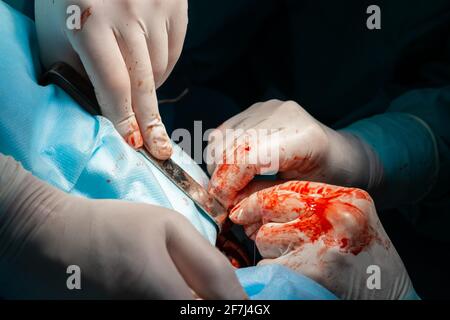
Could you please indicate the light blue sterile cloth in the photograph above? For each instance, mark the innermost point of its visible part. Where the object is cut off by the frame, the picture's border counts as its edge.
(56, 140)
(275, 282)
(44, 129)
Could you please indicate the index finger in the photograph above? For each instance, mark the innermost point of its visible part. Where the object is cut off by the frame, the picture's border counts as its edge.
(99, 51)
(284, 202)
(145, 102)
(240, 164)
(269, 205)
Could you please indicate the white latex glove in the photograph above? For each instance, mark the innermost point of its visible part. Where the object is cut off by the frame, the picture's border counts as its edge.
(305, 149)
(124, 250)
(330, 234)
(128, 49)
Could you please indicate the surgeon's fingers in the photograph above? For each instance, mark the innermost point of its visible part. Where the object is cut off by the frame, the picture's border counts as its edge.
(217, 150)
(144, 100)
(242, 121)
(222, 139)
(161, 279)
(294, 262)
(203, 267)
(239, 166)
(158, 49)
(176, 28)
(276, 239)
(103, 61)
(252, 229)
(228, 180)
(269, 205)
(330, 193)
(255, 186)
(256, 152)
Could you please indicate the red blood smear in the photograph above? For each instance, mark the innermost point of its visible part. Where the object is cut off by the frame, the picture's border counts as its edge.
(85, 16)
(224, 173)
(234, 262)
(232, 175)
(131, 140)
(314, 221)
(344, 243)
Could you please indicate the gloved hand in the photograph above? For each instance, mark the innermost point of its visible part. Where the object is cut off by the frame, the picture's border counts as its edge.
(327, 233)
(123, 250)
(128, 49)
(299, 147)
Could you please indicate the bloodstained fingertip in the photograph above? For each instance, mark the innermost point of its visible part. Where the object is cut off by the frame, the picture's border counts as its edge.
(161, 149)
(135, 139)
(236, 211)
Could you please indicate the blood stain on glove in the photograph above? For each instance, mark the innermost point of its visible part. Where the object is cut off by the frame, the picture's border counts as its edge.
(155, 134)
(233, 174)
(320, 214)
(85, 16)
(134, 137)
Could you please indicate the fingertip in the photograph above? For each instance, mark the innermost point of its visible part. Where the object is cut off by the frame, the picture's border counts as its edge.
(220, 195)
(265, 262)
(247, 212)
(129, 130)
(135, 140)
(236, 214)
(229, 179)
(225, 285)
(221, 186)
(211, 167)
(206, 270)
(161, 150)
(157, 141)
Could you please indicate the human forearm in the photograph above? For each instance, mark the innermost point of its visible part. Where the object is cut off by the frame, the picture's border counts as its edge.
(407, 151)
